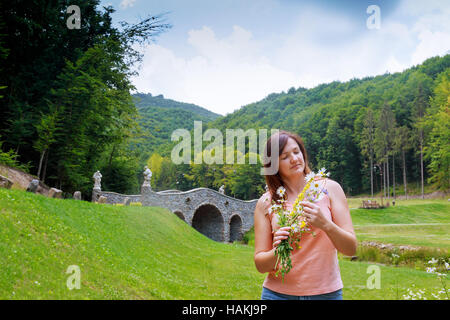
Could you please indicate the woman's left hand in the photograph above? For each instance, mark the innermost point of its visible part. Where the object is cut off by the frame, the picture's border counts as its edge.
(314, 215)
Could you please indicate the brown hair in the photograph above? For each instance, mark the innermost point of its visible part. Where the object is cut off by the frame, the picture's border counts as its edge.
(274, 181)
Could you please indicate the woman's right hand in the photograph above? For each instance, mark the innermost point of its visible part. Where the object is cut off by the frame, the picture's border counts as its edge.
(279, 235)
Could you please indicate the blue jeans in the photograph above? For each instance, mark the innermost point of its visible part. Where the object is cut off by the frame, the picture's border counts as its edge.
(268, 294)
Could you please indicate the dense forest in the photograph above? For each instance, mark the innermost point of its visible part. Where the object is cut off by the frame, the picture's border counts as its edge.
(66, 111)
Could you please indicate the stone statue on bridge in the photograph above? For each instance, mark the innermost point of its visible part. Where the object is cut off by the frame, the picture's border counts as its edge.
(222, 189)
(97, 180)
(147, 178)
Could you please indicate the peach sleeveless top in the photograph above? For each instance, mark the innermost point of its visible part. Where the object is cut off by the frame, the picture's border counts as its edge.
(315, 266)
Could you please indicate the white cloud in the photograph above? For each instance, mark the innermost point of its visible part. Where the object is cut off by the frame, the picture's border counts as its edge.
(127, 3)
(428, 28)
(431, 44)
(341, 49)
(420, 7)
(225, 73)
(431, 29)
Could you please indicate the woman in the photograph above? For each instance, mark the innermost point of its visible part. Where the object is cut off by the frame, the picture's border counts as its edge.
(315, 270)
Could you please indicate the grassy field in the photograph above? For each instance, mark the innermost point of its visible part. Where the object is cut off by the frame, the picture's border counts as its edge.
(411, 222)
(148, 253)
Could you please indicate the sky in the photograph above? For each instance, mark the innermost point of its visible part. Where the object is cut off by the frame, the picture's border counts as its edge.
(222, 55)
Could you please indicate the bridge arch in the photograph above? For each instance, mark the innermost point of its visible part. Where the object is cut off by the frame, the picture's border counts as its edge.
(235, 228)
(180, 215)
(208, 220)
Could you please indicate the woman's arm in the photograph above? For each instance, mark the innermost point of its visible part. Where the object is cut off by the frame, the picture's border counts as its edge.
(340, 229)
(265, 258)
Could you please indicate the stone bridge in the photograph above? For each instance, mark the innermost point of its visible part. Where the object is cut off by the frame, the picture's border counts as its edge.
(216, 215)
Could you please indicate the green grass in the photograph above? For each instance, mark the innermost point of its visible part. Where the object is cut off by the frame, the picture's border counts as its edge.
(412, 211)
(141, 253)
(123, 253)
(416, 235)
(394, 282)
(412, 222)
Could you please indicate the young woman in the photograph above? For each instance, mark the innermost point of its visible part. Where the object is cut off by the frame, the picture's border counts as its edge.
(315, 270)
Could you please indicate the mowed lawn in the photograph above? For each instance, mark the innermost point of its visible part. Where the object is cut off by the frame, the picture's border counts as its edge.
(143, 253)
(412, 222)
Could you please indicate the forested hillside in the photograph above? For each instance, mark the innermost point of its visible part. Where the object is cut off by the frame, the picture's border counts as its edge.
(145, 100)
(388, 123)
(159, 117)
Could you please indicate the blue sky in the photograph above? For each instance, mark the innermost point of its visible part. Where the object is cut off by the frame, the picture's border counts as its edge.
(225, 54)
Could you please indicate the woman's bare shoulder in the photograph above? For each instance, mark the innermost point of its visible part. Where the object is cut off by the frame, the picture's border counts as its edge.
(333, 185)
(334, 190)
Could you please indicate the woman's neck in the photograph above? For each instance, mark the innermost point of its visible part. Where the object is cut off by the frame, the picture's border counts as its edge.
(294, 185)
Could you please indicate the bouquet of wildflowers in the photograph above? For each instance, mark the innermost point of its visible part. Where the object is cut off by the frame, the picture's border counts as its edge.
(295, 219)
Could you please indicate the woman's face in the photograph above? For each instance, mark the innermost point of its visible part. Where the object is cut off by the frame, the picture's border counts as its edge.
(291, 160)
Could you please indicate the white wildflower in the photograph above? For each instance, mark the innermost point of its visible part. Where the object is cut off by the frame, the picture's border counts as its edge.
(310, 176)
(274, 207)
(433, 261)
(281, 191)
(431, 269)
(295, 228)
(315, 186)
